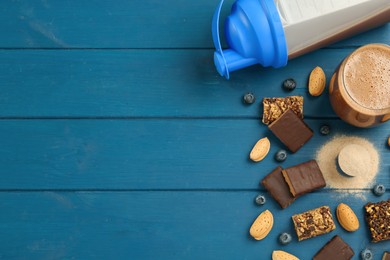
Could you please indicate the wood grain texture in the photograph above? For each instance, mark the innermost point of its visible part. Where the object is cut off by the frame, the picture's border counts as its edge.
(164, 225)
(120, 24)
(147, 83)
(151, 154)
(119, 140)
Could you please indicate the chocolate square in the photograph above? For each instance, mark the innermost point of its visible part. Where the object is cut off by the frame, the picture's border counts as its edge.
(313, 223)
(386, 256)
(378, 220)
(291, 130)
(278, 188)
(335, 249)
(304, 178)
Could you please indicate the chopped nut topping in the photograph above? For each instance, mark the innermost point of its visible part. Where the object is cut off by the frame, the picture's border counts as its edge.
(378, 220)
(313, 223)
(275, 107)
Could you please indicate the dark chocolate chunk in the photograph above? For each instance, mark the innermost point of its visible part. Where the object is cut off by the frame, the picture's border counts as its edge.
(291, 130)
(304, 178)
(378, 220)
(313, 223)
(386, 256)
(278, 188)
(335, 249)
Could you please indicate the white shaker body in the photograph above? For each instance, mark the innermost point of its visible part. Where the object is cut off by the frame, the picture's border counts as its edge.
(312, 24)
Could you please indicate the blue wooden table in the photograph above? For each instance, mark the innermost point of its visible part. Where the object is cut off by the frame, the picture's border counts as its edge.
(119, 140)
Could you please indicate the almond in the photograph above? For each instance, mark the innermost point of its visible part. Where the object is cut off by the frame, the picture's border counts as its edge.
(281, 255)
(347, 218)
(317, 81)
(260, 150)
(262, 225)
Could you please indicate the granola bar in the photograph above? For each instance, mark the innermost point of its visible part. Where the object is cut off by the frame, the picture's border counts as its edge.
(378, 220)
(273, 108)
(313, 223)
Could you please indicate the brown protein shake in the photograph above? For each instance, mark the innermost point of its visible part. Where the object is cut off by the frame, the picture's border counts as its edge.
(360, 87)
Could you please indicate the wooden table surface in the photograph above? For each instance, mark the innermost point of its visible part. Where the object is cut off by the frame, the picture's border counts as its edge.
(119, 140)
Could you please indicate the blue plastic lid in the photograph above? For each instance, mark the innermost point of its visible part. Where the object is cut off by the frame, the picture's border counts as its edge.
(254, 33)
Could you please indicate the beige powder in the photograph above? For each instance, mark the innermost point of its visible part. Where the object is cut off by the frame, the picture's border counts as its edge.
(327, 161)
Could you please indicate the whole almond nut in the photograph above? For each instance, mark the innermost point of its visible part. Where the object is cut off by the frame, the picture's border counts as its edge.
(281, 255)
(317, 81)
(262, 225)
(347, 218)
(260, 150)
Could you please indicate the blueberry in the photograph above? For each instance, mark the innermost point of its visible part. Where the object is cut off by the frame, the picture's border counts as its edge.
(260, 200)
(366, 254)
(281, 155)
(285, 238)
(325, 130)
(249, 98)
(289, 84)
(379, 189)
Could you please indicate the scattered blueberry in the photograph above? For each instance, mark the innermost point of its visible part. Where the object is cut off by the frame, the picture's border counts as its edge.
(281, 155)
(249, 98)
(379, 189)
(260, 200)
(325, 130)
(289, 84)
(366, 254)
(285, 238)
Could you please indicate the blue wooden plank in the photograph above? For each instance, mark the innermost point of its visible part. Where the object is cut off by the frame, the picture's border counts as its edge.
(119, 24)
(167, 225)
(153, 150)
(147, 83)
(151, 154)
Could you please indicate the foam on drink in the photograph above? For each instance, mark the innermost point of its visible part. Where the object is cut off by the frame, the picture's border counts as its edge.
(367, 77)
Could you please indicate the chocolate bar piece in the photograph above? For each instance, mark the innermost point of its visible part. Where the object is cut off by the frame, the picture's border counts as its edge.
(291, 130)
(335, 249)
(378, 220)
(304, 178)
(313, 223)
(386, 256)
(273, 108)
(278, 188)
